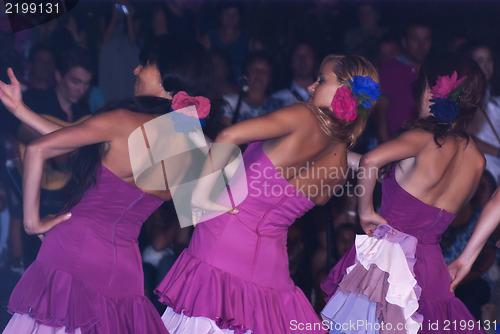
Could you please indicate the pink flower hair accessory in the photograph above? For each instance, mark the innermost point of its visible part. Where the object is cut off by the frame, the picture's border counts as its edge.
(344, 104)
(446, 85)
(182, 100)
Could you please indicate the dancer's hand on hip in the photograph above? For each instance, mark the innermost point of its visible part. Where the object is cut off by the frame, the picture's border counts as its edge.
(370, 222)
(458, 269)
(199, 208)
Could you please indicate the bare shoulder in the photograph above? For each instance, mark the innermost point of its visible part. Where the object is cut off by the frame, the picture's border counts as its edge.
(115, 116)
(122, 120)
(277, 124)
(419, 135)
(299, 114)
(124, 115)
(419, 139)
(295, 116)
(297, 109)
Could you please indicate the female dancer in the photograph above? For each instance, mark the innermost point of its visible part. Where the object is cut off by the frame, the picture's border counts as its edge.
(234, 276)
(88, 275)
(435, 169)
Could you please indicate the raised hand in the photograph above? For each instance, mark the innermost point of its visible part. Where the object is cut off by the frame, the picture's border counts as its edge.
(11, 95)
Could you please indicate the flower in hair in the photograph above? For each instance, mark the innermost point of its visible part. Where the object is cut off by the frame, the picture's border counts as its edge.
(344, 104)
(444, 110)
(182, 100)
(446, 96)
(189, 111)
(365, 90)
(355, 97)
(445, 85)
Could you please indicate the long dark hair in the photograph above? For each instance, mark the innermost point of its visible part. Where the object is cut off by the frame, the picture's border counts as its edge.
(183, 66)
(471, 96)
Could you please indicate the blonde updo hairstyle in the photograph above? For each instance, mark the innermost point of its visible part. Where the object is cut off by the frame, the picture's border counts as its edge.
(345, 68)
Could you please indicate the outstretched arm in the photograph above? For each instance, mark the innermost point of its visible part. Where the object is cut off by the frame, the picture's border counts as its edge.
(101, 128)
(488, 221)
(12, 98)
(487, 148)
(407, 145)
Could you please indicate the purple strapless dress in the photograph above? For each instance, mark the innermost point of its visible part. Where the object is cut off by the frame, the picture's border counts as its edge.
(415, 228)
(234, 277)
(88, 276)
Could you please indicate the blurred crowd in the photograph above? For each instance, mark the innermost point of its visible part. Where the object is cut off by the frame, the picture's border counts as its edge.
(264, 56)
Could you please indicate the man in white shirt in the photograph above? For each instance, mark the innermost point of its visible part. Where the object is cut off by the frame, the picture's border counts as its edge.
(303, 66)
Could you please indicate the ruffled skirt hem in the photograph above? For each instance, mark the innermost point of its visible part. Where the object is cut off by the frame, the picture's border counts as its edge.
(56, 299)
(193, 288)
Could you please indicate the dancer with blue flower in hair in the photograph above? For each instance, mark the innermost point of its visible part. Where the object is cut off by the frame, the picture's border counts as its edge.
(394, 279)
(234, 277)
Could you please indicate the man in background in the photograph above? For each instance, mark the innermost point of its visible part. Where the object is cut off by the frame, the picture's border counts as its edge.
(396, 105)
(303, 66)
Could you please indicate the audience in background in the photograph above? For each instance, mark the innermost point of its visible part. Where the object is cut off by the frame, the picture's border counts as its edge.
(120, 30)
(303, 70)
(295, 37)
(396, 105)
(485, 126)
(364, 40)
(229, 37)
(388, 50)
(41, 67)
(256, 100)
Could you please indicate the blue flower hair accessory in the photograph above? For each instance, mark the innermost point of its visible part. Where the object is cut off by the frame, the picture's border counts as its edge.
(444, 110)
(366, 91)
(446, 97)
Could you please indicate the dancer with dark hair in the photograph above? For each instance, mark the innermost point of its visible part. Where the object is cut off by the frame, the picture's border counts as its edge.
(398, 276)
(88, 275)
(234, 277)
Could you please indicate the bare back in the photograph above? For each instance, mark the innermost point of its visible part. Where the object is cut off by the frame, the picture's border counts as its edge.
(445, 177)
(310, 160)
(117, 157)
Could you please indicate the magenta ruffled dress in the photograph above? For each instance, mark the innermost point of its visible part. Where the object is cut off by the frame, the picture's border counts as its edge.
(397, 281)
(234, 277)
(88, 276)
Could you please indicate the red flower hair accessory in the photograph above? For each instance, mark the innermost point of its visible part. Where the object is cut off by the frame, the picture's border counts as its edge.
(344, 104)
(182, 100)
